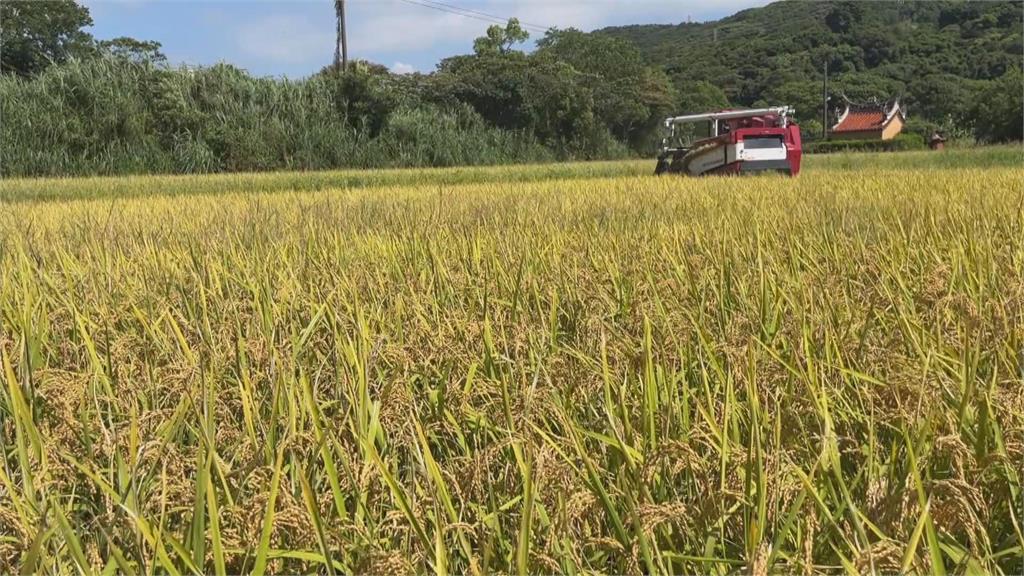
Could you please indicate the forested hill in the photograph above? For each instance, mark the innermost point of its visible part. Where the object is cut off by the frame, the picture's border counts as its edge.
(950, 61)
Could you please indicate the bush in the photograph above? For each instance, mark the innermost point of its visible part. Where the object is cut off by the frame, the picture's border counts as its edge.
(999, 109)
(430, 136)
(900, 143)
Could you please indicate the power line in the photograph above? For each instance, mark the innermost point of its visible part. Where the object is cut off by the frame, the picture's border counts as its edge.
(470, 10)
(476, 15)
(459, 13)
(465, 12)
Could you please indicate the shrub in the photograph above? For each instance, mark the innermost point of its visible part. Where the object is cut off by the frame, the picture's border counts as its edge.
(900, 143)
(430, 136)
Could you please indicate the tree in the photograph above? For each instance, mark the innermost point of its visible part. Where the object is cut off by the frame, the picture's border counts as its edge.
(700, 96)
(630, 98)
(865, 86)
(878, 44)
(659, 96)
(498, 40)
(494, 87)
(805, 97)
(560, 108)
(843, 16)
(534, 93)
(364, 94)
(999, 109)
(942, 97)
(34, 34)
(133, 50)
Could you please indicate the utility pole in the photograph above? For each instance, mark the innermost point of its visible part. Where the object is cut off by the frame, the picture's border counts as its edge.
(341, 48)
(824, 104)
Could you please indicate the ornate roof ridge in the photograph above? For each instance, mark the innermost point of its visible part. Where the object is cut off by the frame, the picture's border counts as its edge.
(884, 109)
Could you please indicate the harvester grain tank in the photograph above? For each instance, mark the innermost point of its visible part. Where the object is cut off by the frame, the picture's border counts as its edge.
(731, 142)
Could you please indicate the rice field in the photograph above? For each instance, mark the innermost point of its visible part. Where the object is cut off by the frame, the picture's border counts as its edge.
(539, 369)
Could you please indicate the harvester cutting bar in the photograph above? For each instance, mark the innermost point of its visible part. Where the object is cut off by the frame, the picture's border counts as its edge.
(781, 111)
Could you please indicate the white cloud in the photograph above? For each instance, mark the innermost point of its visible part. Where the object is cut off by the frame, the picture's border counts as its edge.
(285, 39)
(402, 68)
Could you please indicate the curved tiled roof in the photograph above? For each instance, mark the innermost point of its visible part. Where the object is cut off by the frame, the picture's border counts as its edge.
(864, 118)
(860, 121)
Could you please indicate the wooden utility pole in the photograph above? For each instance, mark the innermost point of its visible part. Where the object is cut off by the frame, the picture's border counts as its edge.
(341, 47)
(824, 104)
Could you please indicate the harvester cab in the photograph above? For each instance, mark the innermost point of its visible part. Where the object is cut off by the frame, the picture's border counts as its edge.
(731, 142)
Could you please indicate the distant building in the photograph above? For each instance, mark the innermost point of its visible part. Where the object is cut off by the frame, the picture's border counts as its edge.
(873, 121)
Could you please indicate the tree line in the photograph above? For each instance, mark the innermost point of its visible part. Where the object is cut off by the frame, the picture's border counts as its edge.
(72, 104)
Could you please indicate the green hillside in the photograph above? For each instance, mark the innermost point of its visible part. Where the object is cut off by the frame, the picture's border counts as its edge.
(955, 64)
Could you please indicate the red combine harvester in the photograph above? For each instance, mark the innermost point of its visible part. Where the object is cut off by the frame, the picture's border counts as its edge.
(731, 142)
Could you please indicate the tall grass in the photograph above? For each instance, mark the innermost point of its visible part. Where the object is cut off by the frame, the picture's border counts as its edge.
(612, 374)
(107, 116)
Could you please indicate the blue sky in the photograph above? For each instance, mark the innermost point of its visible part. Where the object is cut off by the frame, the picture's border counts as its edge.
(296, 38)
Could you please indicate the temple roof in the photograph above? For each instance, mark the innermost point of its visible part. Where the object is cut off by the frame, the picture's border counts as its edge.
(867, 117)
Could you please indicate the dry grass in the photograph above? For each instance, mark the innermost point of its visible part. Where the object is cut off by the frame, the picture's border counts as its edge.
(614, 374)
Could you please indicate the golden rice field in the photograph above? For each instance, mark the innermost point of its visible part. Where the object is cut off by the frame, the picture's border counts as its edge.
(569, 369)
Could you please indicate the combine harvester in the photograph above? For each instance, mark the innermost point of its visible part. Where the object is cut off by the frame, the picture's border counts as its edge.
(735, 142)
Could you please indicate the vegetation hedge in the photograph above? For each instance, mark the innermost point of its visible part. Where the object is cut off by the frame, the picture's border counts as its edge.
(899, 143)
